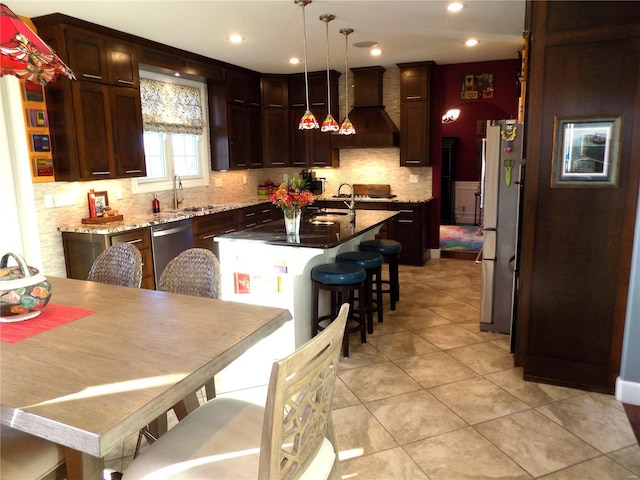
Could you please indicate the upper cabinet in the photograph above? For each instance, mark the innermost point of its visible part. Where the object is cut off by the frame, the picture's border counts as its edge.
(415, 107)
(95, 121)
(236, 121)
(96, 58)
(275, 120)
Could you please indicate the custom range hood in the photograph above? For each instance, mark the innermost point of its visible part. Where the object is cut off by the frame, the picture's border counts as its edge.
(374, 127)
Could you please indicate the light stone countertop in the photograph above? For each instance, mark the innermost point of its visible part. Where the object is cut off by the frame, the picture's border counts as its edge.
(142, 220)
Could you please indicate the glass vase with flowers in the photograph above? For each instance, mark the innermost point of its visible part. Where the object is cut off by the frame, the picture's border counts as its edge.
(291, 197)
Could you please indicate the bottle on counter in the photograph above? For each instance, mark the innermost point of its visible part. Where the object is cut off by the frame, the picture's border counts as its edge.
(155, 204)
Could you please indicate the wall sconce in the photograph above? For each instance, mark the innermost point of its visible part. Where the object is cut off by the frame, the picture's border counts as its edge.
(451, 116)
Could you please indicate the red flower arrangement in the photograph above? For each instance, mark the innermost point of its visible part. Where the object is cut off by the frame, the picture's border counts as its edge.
(292, 195)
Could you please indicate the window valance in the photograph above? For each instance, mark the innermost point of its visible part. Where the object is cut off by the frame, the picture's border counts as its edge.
(171, 108)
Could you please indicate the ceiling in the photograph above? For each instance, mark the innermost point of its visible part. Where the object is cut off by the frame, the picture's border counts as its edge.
(406, 31)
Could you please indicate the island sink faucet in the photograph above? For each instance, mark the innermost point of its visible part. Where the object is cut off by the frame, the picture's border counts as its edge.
(352, 205)
(177, 185)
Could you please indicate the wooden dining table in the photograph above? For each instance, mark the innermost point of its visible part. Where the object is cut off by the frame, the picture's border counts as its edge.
(90, 383)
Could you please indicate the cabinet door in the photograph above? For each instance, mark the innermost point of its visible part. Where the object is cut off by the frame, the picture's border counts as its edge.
(298, 139)
(128, 145)
(414, 85)
(414, 136)
(253, 140)
(275, 125)
(237, 137)
(122, 60)
(275, 92)
(87, 56)
(93, 130)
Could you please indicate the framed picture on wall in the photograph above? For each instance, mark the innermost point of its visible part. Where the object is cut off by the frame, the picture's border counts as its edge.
(586, 151)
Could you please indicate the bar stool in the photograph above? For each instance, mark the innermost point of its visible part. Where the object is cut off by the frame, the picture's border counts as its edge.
(372, 263)
(389, 249)
(342, 280)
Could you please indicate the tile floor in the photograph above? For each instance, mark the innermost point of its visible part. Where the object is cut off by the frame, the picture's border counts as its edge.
(432, 397)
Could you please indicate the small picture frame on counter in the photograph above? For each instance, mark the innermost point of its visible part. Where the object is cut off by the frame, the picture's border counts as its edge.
(99, 200)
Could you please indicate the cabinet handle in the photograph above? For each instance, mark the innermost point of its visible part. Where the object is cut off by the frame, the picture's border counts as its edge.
(249, 225)
(133, 171)
(298, 105)
(137, 240)
(268, 220)
(276, 105)
(230, 230)
(94, 77)
(413, 161)
(126, 82)
(413, 97)
(266, 210)
(100, 173)
(405, 211)
(317, 104)
(207, 237)
(405, 221)
(251, 214)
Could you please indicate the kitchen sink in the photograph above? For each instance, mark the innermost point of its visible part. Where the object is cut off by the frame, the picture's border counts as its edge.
(324, 213)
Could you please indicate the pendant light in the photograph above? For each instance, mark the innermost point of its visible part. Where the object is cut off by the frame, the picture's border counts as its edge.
(347, 127)
(308, 121)
(329, 124)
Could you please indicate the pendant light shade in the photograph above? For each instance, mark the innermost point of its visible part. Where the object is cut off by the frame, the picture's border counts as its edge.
(347, 127)
(329, 124)
(24, 54)
(308, 120)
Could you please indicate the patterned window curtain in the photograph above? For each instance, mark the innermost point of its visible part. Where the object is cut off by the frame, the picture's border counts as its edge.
(171, 108)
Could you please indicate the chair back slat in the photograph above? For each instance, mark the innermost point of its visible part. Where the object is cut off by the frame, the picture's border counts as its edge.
(299, 402)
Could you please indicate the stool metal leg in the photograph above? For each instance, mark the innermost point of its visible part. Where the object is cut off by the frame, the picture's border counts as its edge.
(394, 283)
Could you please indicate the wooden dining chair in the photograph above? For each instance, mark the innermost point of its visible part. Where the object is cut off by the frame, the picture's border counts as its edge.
(290, 438)
(120, 264)
(24, 456)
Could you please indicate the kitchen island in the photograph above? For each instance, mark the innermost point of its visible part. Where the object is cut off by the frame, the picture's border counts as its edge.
(262, 266)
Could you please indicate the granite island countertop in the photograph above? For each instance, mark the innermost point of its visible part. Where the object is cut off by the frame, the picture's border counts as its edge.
(326, 230)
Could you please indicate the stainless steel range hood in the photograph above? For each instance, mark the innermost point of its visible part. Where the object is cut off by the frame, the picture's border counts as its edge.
(374, 127)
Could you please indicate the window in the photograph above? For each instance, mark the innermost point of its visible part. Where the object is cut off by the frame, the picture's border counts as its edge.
(176, 138)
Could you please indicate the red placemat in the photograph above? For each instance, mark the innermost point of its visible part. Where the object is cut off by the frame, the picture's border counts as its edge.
(52, 316)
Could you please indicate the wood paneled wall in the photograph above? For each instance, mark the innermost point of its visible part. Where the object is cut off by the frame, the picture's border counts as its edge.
(576, 245)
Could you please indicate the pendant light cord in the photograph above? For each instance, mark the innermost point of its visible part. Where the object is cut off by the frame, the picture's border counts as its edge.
(306, 74)
(328, 86)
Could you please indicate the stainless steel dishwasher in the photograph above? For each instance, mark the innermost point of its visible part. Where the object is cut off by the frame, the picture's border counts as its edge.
(169, 240)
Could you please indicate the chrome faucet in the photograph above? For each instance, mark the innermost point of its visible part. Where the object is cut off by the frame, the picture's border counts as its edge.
(352, 204)
(177, 185)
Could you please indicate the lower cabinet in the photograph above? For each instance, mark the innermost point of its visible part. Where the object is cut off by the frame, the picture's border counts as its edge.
(82, 249)
(207, 227)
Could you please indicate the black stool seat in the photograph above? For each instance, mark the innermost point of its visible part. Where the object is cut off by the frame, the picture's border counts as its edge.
(390, 250)
(372, 262)
(342, 280)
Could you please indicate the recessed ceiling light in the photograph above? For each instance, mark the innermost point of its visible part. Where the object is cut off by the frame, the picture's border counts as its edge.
(294, 61)
(472, 42)
(236, 38)
(455, 7)
(376, 52)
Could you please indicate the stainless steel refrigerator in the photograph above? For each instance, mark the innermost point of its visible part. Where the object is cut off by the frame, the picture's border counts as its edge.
(501, 192)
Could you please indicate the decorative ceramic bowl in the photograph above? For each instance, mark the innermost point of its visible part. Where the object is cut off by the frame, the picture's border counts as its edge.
(24, 292)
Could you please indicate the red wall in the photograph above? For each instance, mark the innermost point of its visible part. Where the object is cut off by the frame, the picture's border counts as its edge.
(503, 105)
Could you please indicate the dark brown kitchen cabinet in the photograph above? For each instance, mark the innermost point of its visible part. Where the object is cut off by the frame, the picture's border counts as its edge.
(207, 227)
(96, 58)
(95, 121)
(82, 249)
(415, 107)
(410, 228)
(275, 120)
(254, 215)
(235, 121)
